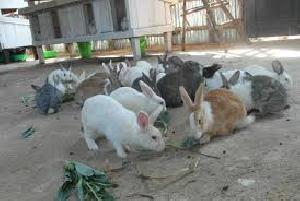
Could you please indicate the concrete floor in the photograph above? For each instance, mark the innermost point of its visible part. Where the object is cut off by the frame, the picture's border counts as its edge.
(267, 154)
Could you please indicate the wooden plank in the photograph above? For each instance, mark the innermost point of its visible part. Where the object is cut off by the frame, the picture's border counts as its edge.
(46, 26)
(103, 17)
(183, 37)
(46, 5)
(214, 33)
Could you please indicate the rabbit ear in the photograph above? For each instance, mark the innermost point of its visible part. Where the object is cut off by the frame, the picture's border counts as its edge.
(186, 99)
(248, 76)
(147, 91)
(277, 67)
(225, 81)
(153, 73)
(234, 78)
(199, 96)
(143, 120)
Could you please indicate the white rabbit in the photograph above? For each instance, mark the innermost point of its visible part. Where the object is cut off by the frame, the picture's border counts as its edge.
(102, 115)
(278, 73)
(136, 101)
(129, 74)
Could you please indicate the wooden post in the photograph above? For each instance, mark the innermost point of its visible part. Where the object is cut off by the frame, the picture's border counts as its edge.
(40, 54)
(183, 37)
(136, 48)
(168, 41)
(216, 37)
(6, 56)
(241, 25)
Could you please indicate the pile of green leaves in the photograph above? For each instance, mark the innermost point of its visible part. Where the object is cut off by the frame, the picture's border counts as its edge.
(90, 184)
(162, 121)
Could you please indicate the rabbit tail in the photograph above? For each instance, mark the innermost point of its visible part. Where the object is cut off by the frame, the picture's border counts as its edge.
(246, 121)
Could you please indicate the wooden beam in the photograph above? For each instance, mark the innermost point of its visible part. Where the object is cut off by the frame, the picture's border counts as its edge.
(183, 38)
(214, 33)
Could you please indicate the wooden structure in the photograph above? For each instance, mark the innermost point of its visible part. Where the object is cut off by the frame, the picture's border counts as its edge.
(211, 25)
(68, 21)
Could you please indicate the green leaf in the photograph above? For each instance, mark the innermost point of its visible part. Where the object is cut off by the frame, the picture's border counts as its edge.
(28, 132)
(64, 191)
(79, 190)
(83, 169)
(189, 142)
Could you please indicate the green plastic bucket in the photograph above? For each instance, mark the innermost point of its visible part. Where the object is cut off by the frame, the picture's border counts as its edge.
(17, 57)
(85, 49)
(143, 45)
(50, 54)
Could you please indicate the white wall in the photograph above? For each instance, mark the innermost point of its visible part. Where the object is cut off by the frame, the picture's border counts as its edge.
(13, 4)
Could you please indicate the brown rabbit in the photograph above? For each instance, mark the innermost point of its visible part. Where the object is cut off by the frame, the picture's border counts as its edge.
(216, 114)
(95, 84)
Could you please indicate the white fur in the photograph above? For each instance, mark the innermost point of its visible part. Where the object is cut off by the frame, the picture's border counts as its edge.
(216, 81)
(208, 120)
(137, 101)
(243, 91)
(284, 78)
(159, 76)
(246, 121)
(128, 75)
(102, 115)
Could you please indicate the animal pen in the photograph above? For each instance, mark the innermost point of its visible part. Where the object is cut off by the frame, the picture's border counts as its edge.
(102, 20)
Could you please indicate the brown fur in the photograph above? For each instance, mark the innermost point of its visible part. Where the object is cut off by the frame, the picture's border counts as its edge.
(92, 86)
(227, 110)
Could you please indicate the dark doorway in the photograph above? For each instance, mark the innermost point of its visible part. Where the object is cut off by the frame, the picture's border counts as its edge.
(265, 18)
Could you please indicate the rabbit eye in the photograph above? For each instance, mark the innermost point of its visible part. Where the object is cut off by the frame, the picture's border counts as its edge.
(154, 137)
(161, 102)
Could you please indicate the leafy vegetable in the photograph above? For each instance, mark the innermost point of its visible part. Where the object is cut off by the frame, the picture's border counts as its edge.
(162, 121)
(189, 142)
(28, 132)
(90, 184)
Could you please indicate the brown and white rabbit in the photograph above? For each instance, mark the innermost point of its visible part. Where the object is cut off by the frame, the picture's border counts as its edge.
(218, 113)
(95, 84)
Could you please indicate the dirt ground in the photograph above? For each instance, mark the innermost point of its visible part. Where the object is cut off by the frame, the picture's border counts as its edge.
(267, 154)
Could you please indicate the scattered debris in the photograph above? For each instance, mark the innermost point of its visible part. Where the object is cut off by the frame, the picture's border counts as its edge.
(280, 143)
(246, 182)
(188, 143)
(225, 188)
(90, 184)
(71, 153)
(288, 120)
(224, 152)
(141, 195)
(26, 100)
(28, 132)
(287, 107)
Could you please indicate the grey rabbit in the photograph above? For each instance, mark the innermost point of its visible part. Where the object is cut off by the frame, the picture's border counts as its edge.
(259, 93)
(48, 97)
(151, 82)
(187, 76)
(171, 64)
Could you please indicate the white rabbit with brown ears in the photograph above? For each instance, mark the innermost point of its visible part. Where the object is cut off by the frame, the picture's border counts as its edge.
(218, 113)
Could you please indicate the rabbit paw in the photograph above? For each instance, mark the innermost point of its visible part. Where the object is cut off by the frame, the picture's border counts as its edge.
(205, 139)
(91, 144)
